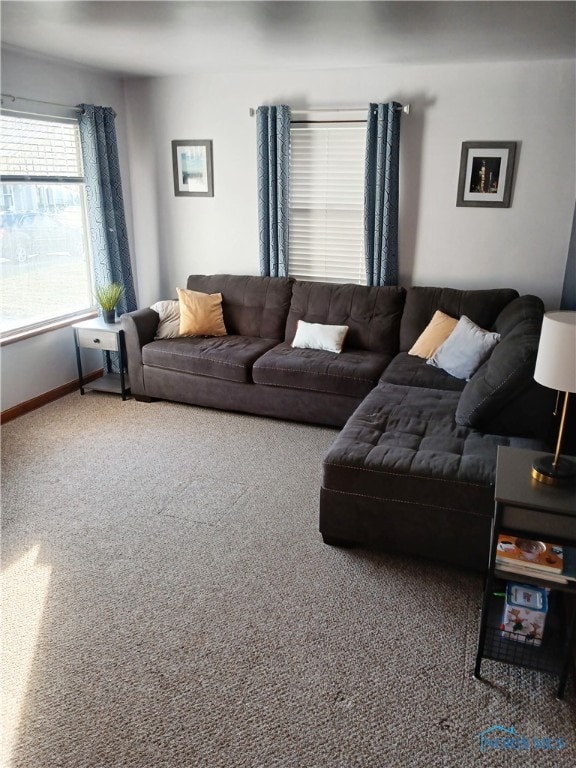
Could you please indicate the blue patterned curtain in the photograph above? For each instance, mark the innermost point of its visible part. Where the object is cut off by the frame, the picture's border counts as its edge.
(273, 137)
(109, 238)
(381, 193)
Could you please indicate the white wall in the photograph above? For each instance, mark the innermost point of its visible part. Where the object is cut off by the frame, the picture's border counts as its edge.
(42, 363)
(524, 246)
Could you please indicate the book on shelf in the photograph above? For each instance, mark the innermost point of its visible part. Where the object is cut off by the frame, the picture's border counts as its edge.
(529, 554)
(520, 568)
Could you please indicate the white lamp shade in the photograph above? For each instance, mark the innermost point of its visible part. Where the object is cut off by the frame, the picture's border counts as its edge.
(556, 361)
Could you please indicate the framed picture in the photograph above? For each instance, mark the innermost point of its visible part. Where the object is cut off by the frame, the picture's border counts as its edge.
(486, 171)
(192, 165)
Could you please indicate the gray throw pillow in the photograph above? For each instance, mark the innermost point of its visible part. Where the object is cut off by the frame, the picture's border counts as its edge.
(465, 349)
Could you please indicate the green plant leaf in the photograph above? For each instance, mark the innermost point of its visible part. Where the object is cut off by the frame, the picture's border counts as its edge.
(108, 295)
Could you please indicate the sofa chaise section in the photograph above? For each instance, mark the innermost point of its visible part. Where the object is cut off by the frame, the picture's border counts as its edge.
(403, 476)
(414, 468)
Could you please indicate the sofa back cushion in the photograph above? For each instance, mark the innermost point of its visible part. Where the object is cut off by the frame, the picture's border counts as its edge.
(481, 306)
(508, 373)
(252, 305)
(372, 313)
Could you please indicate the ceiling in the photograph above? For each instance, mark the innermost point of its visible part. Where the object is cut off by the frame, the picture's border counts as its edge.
(165, 37)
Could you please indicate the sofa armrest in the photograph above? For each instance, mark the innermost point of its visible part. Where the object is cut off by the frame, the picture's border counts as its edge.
(139, 329)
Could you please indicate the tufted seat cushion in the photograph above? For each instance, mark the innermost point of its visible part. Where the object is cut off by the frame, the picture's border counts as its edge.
(413, 371)
(350, 372)
(221, 357)
(409, 435)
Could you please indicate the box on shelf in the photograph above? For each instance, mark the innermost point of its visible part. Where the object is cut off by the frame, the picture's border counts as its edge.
(525, 609)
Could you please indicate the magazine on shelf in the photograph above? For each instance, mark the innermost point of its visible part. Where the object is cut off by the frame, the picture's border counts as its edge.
(517, 570)
(530, 554)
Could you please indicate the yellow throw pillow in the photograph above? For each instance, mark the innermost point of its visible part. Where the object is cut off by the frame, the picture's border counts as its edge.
(435, 334)
(200, 313)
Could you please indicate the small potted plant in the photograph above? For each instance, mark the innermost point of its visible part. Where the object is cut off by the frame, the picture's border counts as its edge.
(108, 296)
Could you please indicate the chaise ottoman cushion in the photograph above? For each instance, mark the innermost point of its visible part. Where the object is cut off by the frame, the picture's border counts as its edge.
(221, 357)
(403, 443)
(350, 372)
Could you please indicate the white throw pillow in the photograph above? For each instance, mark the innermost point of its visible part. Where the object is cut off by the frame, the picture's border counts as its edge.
(464, 351)
(169, 325)
(318, 336)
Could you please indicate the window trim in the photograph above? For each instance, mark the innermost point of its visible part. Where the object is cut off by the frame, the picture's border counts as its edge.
(28, 331)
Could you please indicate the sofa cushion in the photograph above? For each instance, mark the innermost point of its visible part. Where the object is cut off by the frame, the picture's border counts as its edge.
(481, 306)
(351, 372)
(510, 369)
(413, 371)
(372, 313)
(252, 305)
(402, 443)
(221, 357)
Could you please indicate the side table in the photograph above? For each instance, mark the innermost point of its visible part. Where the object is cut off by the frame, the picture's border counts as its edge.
(109, 337)
(529, 509)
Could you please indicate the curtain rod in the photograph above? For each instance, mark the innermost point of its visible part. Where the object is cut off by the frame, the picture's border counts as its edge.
(39, 101)
(405, 109)
(73, 108)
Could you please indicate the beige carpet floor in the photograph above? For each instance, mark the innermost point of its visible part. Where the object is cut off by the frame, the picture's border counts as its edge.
(169, 603)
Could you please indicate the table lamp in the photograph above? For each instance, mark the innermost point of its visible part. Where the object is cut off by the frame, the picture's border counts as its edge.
(556, 369)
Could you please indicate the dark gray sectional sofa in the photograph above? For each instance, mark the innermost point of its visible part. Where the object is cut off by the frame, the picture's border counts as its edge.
(413, 468)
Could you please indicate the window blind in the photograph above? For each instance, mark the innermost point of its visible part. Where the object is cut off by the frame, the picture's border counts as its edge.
(327, 202)
(33, 149)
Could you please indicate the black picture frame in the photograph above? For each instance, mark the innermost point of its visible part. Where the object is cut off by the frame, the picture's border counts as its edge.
(486, 174)
(193, 168)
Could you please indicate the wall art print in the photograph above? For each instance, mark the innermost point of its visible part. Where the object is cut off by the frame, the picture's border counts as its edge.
(486, 173)
(192, 166)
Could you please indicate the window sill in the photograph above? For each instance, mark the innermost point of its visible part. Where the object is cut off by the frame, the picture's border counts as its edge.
(52, 325)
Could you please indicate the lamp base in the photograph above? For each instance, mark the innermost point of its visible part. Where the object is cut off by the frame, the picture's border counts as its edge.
(545, 471)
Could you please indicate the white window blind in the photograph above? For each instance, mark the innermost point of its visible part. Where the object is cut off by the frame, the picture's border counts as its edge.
(327, 202)
(31, 148)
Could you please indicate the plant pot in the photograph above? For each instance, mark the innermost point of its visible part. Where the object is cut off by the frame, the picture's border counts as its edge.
(109, 315)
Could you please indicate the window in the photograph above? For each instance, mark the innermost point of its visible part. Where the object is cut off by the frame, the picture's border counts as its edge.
(44, 255)
(327, 202)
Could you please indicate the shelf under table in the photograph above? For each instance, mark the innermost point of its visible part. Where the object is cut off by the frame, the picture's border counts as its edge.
(110, 382)
(547, 657)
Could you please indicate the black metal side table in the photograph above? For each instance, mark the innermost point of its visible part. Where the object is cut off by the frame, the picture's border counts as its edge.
(525, 507)
(109, 337)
